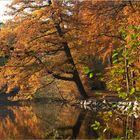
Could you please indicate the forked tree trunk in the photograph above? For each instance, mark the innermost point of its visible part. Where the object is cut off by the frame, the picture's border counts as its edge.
(76, 77)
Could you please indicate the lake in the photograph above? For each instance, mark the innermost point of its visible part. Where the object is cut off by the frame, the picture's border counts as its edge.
(62, 121)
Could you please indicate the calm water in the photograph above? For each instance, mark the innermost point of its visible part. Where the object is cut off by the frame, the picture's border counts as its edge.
(42, 120)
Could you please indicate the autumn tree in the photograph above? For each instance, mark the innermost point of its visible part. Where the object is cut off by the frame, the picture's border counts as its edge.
(104, 20)
(43, 33)
(58, 38)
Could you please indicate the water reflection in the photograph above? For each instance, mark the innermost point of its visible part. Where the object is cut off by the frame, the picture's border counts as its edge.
(41, 120)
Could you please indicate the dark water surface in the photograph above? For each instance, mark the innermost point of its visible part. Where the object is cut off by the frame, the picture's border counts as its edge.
(57, 121)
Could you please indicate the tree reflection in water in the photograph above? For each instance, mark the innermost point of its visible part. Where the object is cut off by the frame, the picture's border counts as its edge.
(18, 122)
(64, 121)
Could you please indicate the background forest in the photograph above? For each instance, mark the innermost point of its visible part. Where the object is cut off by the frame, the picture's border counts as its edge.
(70, 48)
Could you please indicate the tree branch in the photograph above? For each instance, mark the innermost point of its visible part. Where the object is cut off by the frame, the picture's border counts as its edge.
(109, 35)
(52, 52)
(62, 77)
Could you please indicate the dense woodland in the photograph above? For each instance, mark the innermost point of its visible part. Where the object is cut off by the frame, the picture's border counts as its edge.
(71, 48)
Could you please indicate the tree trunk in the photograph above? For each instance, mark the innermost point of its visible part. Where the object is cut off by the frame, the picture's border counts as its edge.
(76, 76)
(133, 79)
(127, 73)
